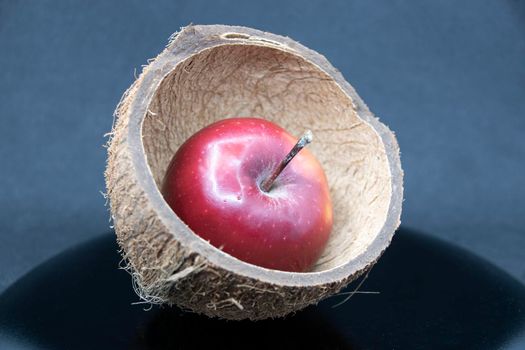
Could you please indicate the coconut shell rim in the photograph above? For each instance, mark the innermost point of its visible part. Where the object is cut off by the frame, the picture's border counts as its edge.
(194, 39)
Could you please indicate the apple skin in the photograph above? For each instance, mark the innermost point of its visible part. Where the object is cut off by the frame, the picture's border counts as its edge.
(212, 184)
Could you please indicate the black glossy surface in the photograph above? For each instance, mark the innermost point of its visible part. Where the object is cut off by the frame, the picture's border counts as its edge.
(432, 295)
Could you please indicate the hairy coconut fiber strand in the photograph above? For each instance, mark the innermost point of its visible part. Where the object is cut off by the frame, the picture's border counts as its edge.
(214, 72)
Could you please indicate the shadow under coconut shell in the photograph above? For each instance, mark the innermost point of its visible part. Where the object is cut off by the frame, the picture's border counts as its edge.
(432, 294)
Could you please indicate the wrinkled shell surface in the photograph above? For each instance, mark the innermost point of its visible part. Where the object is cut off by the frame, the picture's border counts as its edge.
(209, 73)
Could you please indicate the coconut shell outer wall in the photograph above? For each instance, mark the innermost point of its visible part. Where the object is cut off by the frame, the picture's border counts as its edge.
(173, 270)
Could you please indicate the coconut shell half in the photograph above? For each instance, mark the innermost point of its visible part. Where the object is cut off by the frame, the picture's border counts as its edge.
(212, 72)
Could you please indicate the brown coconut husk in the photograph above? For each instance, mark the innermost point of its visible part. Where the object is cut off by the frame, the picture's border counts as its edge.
(213, 72)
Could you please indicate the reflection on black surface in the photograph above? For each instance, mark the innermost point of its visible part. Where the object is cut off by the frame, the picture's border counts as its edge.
(432, 294)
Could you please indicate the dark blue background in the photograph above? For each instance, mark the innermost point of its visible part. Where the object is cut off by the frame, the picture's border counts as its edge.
(447, 76)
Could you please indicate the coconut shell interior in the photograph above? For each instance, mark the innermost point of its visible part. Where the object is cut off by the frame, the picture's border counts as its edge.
(252, 80)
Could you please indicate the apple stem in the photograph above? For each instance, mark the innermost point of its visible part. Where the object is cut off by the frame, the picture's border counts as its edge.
(267, 184)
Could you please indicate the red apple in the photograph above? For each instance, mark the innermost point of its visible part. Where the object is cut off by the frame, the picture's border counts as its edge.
(214, 184)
